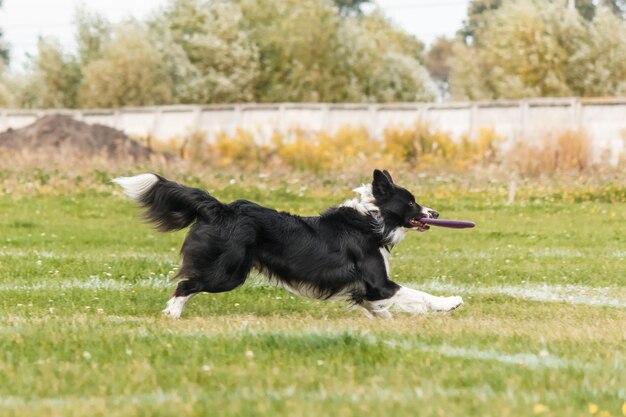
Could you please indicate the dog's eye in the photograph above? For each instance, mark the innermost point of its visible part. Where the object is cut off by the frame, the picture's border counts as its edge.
(411, 204)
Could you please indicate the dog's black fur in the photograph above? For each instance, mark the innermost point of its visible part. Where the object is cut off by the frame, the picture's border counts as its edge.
(336, 254)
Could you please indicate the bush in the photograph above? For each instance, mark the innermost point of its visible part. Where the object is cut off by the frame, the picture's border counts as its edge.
(425, 146)
(319, 151)
(351, 147)
(567, 151)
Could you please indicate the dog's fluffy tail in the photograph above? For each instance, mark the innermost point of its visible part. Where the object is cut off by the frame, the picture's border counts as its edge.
(169, 206)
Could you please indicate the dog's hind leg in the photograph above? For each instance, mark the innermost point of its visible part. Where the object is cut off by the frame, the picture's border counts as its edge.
(183, 293)
(223, 273)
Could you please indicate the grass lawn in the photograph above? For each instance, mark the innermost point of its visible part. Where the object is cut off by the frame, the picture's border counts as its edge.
(542, 330)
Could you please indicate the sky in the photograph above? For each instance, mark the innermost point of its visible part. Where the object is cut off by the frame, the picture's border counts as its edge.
(23, 21)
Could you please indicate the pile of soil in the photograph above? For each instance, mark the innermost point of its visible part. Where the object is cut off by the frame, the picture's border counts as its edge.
(57, 132)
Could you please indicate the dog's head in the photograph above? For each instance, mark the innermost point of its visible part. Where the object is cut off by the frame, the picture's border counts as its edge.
(397, 205)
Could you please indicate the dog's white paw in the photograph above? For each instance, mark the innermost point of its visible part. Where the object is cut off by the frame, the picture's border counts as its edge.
(446, 304)
(169, 313)
(174, 306)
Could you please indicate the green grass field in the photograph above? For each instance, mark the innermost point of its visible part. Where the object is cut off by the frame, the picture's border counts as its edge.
(542, 330)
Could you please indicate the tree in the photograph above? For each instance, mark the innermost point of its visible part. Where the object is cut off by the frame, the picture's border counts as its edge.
(380, 63)
(478, 11)
(210, 55)
(7, 94)
(588, 8)
(598, 67)
(297, 44)
(468, 69)
(531, 48)
(53, 79)
(218, 51)
(4, 48)
(437, 62)
(93, 31)
(129, 72)
(350, 7)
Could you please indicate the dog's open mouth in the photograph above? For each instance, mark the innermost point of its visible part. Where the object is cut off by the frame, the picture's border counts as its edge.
(418, 225)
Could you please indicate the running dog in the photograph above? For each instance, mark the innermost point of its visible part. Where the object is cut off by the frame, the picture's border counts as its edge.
(341, 254)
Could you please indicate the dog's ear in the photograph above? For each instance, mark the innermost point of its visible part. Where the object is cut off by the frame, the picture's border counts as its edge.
(388, 175)
(381, 185)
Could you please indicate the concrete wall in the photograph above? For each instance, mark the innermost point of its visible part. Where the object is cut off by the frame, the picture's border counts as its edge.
(603, 119)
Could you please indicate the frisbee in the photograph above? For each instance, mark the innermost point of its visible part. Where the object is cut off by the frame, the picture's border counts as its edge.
(454, 224)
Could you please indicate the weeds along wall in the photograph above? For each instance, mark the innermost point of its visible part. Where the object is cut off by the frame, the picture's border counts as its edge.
(525, 121)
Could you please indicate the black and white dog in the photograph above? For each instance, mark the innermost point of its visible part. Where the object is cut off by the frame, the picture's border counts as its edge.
(341, 254)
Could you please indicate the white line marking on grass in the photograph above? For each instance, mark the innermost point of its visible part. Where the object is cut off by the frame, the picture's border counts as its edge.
(20, 253)
(292, 392)
(555, 253)
(535, 253)
(157, 397)
(92, 283)
(571, 294)
(530, 360)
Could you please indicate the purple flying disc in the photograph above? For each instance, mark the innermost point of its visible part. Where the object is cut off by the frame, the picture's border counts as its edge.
(454, 224)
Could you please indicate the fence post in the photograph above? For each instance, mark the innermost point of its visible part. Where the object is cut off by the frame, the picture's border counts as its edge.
(372, 123)
(197, 116)
(117, 119)
(325, 125)
(422, 112)
(576, 113)
(157, 121)
(239, 118)
(523, 119)
(472, 122)
(281, 125)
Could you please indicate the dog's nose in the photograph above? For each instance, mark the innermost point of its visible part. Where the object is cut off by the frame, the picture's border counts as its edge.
(434, 214)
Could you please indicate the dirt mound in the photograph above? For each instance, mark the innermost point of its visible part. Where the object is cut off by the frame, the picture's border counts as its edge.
(63, 132)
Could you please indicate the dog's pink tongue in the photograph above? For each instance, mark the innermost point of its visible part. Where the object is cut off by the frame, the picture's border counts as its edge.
(454, 224)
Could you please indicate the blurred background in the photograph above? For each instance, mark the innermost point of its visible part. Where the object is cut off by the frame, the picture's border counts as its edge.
(531, 87)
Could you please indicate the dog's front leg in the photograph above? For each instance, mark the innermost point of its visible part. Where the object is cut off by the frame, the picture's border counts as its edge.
(416, 301)
(412, 301)
(375, 311)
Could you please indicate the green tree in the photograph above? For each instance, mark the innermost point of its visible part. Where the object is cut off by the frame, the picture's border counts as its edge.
(129, 72)
(7, 94)
(297, 44)
(380, 63)
(588, 8)
(216, 51)
(93, 31)
(531, 48)
(210, 55)
(4, 48)
(308, 52)
(53, 78)
(478, 11)
(598, 67)
(437, 62)
(350, 7)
